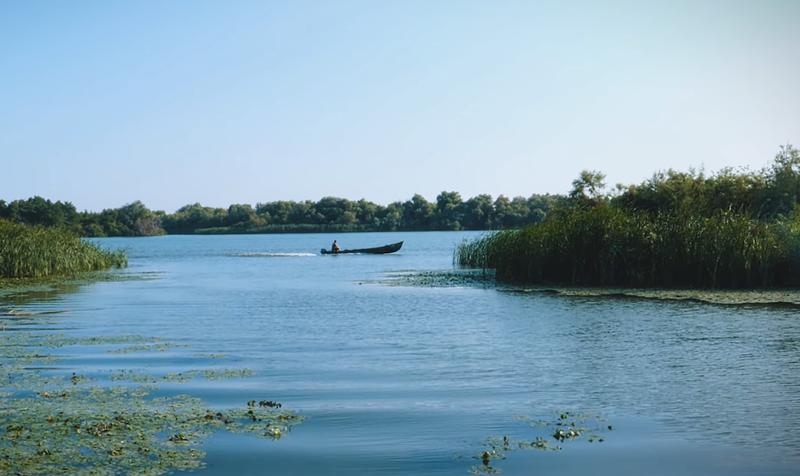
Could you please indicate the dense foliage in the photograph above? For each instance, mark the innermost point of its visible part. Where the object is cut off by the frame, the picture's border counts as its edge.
(448, 212)
(727, 230)
(36, 252)
(130, 220)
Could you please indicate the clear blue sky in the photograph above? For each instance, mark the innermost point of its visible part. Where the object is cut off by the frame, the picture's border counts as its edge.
(174, 102)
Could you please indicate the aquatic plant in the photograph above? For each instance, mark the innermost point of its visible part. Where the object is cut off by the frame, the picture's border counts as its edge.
(607, 246)
(120, 430)
(733, 229)
(550, 434)
(39, 252)
(146, 347)
(440, 279)
(184, 376)
(55, 422)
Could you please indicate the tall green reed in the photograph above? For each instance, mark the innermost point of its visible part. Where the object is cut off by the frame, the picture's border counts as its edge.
(39, 252)
(609, 246)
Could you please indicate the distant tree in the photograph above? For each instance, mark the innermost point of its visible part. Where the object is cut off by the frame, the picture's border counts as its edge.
(134, 219)
(242, 216)
(539, 206)
(502, 213)
(478, 213)
(588, 186)
(449, 211)
(92, 229)
(391, 217)
(519, 212)
(148, 226)
(38, 211)
(332, 210)
(367, 213)
(275, 212)
(417, 213)
(784, 178)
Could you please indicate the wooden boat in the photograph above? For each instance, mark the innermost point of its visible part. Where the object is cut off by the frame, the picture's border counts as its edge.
(380, 250)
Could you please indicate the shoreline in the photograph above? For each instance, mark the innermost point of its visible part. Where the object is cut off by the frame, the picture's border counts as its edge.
(781, 297)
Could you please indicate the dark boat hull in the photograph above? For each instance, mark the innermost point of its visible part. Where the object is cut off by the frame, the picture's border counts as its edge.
(380, 250)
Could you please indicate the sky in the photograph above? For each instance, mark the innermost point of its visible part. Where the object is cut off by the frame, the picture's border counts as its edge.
(106, 102)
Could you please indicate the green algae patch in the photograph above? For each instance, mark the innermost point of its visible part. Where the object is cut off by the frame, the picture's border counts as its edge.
(549, 434)
(185, 376)
(223, 374)
(131, 376)
(57, 340)
(141, 348)
(120, 430)
(59, 421)
(441, 279)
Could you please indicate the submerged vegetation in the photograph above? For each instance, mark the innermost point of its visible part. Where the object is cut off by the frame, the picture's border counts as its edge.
(59, 422)
(728, 230)
(440, 279)
(42, 252)
(120, 430)
(549, 435)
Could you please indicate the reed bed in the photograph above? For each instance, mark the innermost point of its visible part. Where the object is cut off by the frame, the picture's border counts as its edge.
(39, 252)
(608, 246)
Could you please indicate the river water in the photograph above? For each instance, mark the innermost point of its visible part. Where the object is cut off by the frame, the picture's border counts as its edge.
(413, 380)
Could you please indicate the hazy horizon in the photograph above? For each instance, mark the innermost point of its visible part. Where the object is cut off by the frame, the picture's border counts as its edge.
(244, 102)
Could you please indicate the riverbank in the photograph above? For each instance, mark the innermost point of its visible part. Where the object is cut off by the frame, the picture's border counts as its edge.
(758, 297)
(486, 279)
(21, 290)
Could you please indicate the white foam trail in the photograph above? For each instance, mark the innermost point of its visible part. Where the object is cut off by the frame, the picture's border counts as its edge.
(273, 255)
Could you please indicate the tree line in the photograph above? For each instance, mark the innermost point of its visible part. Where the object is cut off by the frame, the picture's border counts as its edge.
(448, 212)
(133, 219)
(731, 229)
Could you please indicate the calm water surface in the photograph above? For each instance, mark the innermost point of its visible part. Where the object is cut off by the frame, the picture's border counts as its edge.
(409, 380)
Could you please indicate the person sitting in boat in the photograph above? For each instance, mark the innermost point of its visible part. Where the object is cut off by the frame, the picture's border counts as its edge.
(334, 247)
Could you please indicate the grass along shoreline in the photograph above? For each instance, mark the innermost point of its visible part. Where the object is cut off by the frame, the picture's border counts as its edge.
(36, 252)
(734, 229)
(606, 246)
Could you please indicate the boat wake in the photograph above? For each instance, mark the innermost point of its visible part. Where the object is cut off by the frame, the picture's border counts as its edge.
(271, 255)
